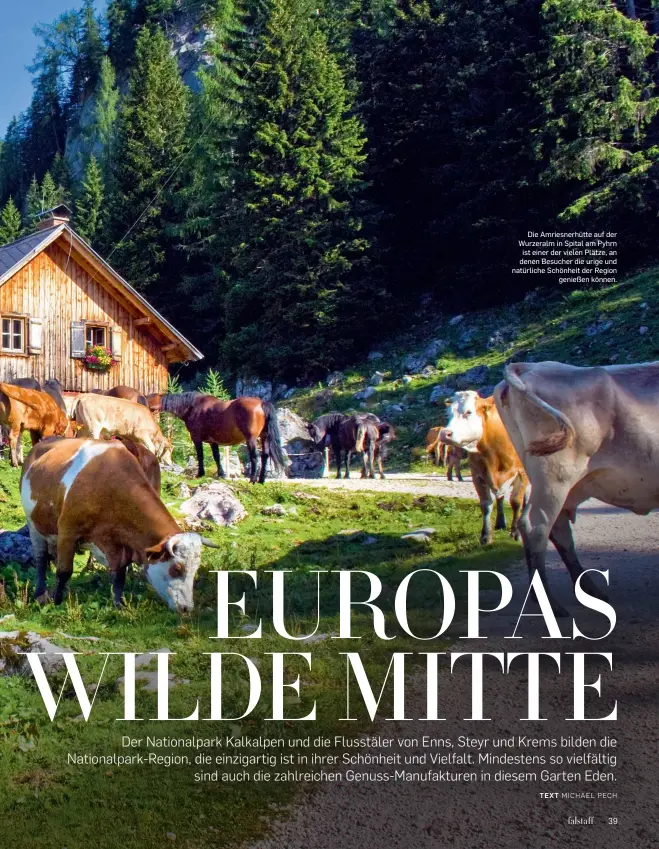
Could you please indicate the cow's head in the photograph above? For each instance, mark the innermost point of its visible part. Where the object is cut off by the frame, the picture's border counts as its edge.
(171, 567)
(62, 424)
(466, 420)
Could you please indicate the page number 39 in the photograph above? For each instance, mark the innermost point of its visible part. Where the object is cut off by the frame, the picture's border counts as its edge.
(613, 820)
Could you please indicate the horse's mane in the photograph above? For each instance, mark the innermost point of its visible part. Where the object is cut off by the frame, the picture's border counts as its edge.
(369, 418)
(329, 420)
(180, 403)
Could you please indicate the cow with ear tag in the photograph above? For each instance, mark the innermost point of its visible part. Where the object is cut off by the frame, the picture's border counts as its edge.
(474, 424)
(88, 494)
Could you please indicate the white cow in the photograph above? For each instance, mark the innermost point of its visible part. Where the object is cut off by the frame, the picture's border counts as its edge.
(581, 433)
(99, 415)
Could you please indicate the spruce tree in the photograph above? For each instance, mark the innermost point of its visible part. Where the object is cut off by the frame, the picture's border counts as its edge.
(208, 192)
(90, 204)
(33, 204)
(292, 305)
(92, 48)
(10, 223)
(87, 63)
(50, 193)
(46, 127)
(120, 18)
(101, 135)
(13, 180)
(61, 177)
(597, 90)
(452, 117)
(151, 142)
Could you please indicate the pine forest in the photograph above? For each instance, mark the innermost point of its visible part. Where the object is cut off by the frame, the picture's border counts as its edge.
(288, 179)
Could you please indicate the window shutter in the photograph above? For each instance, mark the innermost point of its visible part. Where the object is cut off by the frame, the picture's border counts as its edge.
(35, 335)
(116, 342)
(78, 339)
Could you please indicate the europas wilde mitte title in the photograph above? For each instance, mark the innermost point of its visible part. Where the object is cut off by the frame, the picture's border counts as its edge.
(359, 689)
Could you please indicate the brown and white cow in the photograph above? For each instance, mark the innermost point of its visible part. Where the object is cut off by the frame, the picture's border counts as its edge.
(29, 409)
(86, 494)
(99, 414)
(582, 433)
(496, 471)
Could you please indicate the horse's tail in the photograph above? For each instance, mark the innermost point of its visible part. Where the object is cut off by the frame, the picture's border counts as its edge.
(277, 454)
(73, 409)
(361, 436)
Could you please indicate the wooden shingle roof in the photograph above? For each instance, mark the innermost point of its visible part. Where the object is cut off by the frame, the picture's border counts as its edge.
(17, 254)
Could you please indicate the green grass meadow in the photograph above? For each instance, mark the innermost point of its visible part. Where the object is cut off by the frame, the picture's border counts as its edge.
(48, 804)
(52, 805)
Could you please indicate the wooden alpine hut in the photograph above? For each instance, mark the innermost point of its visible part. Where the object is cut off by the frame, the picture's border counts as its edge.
(59, 299)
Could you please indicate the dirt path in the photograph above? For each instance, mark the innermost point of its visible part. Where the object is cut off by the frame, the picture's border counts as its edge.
(415, 484)
(431, 815)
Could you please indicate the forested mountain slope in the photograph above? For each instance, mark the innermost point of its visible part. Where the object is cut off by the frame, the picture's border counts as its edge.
(285, 179)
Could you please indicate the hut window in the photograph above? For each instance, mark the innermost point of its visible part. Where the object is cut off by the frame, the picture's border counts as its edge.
(13, 335)
(96, 335)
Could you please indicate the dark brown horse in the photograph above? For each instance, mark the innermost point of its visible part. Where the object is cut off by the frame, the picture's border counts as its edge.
(208, 419)
(348, 434)
(127, 393)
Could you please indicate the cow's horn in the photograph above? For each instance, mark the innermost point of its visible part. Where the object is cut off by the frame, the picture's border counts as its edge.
(209, 543)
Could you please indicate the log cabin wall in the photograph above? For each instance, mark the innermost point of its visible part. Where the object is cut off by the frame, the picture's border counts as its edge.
(57, 289)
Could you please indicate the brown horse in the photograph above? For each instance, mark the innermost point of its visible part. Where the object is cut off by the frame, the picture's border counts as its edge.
(386, 435)
(435, 447)
(126, 393)
(208, 419)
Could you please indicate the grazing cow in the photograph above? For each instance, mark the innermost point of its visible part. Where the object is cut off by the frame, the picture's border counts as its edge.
(50, 387)
(29, 409)
(121, 521)
(583, 433)
(98, 414)
(474, 424)
(127, 393)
